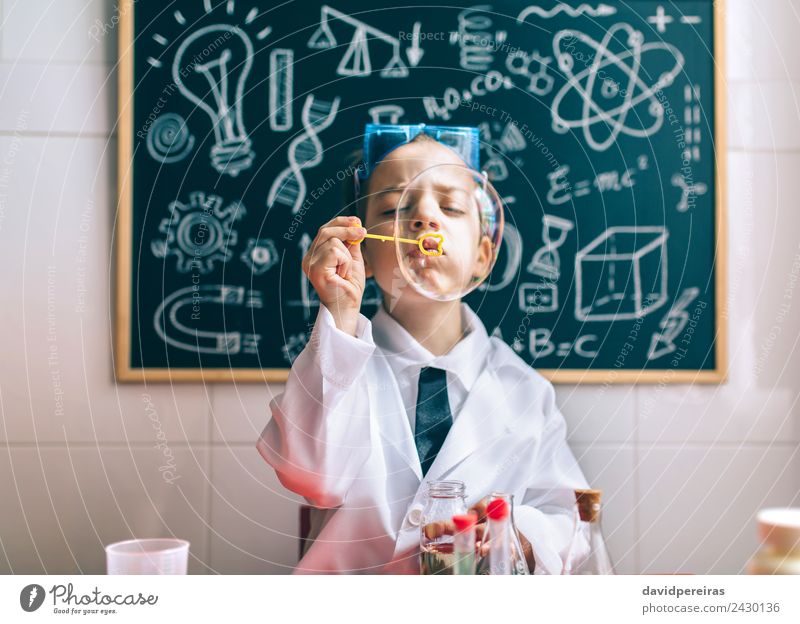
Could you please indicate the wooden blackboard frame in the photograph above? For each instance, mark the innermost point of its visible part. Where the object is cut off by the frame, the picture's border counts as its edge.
(124, 247)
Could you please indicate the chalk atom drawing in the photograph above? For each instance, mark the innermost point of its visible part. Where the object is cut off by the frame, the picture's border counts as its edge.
(357, 60)
(610, 92)
(281, 89)
(174, 323)
(198, 233)
(622, 274)
(216, 86)
(305, 151)
(168, 139)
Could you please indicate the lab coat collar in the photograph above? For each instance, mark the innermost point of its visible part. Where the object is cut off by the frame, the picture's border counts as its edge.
(465, 360)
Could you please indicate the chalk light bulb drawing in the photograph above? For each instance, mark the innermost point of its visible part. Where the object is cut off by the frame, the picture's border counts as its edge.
(210, 70)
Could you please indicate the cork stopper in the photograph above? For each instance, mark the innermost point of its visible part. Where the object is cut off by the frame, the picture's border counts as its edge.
(589, 504)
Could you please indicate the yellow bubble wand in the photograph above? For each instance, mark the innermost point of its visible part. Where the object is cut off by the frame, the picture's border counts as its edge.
(420, 242)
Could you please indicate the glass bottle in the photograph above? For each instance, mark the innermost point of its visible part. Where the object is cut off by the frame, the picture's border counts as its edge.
(519, 565)
(445, 499)
(589, 513)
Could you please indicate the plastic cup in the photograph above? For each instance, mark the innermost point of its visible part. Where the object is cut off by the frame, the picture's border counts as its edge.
(148, 556)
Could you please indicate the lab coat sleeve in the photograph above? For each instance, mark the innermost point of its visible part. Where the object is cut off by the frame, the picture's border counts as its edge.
(546, 515)
(319, 435)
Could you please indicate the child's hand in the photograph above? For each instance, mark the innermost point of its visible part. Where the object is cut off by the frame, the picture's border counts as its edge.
(335, 268)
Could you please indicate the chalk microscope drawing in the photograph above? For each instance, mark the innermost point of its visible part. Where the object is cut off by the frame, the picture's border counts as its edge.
(540, 82)
(607, 107)
(689, 191)
(198, 233)
(171, 318)
(260, 255)
(692, 113)
(168, 139)
(475, 41)
(281, 89)
(217, 86)
(671, 325)
(621, 274)
(357, 60)
(386, 113)
(305, 151)
(510, 141)
(601, 10)
(542, 296)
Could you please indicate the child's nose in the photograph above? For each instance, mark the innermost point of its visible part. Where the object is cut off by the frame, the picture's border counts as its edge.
(425, 215)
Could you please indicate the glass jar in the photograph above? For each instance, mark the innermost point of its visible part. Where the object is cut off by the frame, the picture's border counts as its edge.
(445, 499)
(588, 525)
(519, 564)
(779, 534)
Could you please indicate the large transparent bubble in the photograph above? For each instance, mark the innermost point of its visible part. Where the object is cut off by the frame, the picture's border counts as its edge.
(448, 229)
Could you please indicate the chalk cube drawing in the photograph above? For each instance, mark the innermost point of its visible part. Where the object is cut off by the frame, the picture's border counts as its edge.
(621, 274)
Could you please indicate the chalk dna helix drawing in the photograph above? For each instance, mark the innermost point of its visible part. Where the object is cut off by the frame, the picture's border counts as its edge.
(168, 139)
(216, 86)
(606, 84)
(199, 233)
(305, 151)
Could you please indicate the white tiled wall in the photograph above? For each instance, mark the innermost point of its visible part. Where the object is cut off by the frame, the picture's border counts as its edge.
(684, 468)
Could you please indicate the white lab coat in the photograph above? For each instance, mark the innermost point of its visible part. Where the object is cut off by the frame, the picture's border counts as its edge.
(340, 436)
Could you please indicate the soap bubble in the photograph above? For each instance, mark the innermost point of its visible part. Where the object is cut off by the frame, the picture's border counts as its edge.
(448, 228)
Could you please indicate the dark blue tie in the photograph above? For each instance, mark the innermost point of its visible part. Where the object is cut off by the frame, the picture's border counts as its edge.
(433, 418)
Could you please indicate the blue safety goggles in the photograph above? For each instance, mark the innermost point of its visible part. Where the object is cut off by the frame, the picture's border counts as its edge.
(380, 139)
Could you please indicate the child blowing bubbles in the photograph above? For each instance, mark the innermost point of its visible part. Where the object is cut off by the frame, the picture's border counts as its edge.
(375, 409)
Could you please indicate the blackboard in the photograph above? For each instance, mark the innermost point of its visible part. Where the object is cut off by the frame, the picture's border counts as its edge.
(601, 127)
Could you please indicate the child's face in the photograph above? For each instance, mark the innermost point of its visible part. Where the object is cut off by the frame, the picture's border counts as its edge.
(440, 201)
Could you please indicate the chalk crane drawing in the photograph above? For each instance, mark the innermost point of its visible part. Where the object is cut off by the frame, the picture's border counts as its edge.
(608, 88)
(357, 60)
(671, 325)
(281, 89)
(174, 318)
(601, 10)
(305, 151)
(198, 233)
(215, 83)
(168, 139)
(621, 274)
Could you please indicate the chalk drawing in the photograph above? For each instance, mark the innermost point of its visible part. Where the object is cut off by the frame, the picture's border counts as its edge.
(172, 317)
(168, 139)
(688, 191)
(305, 151)
(621, 274)
(606, 111)
(260, 255)
(281, 89)
(671, 325)
(198, 233)
(216, 85)
(601, 10)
